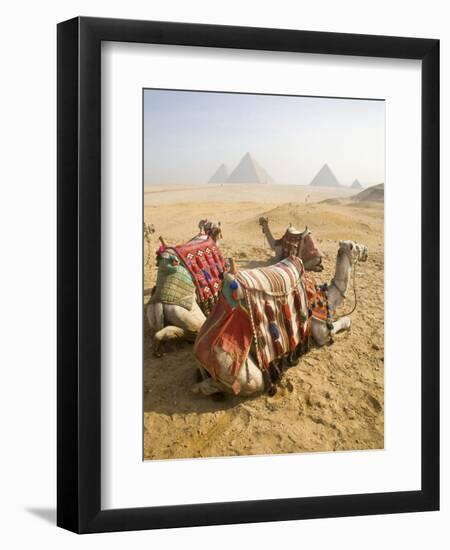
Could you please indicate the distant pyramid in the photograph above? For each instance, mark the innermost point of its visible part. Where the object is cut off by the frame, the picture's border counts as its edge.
(220, 175)
(325, 178)
(356, 185)
(249, 171)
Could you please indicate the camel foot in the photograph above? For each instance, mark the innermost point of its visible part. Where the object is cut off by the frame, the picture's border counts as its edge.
(157, 354)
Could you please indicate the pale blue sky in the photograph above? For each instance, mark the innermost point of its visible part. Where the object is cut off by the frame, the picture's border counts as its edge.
(187, 135)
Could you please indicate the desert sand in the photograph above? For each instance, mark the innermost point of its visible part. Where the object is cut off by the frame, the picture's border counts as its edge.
(334, 399)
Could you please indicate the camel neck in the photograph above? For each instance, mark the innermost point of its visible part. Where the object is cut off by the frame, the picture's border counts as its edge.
(270, 238)
(341, 277)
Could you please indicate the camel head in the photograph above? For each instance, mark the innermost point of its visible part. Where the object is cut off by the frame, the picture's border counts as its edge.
(164, 258)
(355, 252)
(263, 222)
(211, 228)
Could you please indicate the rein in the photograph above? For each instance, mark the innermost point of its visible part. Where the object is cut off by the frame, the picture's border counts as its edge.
(354, 294)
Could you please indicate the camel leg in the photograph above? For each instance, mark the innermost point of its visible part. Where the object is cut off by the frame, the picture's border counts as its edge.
(344, 323)
(321, 334)
(190, 320)
(209, 386)
(165, 334)
(155, 318)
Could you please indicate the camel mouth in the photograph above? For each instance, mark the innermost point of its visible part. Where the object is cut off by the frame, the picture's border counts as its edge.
(363, 254)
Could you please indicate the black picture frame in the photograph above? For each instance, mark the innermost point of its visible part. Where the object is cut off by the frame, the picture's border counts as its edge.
(79, 280)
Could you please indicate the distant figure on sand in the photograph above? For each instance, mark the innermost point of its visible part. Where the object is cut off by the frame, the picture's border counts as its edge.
(308, 198)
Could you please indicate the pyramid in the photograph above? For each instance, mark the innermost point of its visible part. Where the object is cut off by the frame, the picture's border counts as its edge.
(325, 178)
(220, 175)
(356, 185)
(249, 171)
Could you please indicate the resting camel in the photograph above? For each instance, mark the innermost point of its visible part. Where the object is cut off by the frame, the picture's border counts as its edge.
(174, 310)
(226, 368)
(298, 243)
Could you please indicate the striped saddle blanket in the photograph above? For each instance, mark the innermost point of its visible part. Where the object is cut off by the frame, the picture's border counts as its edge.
(276, 301)
(261, 310)
(202, 258)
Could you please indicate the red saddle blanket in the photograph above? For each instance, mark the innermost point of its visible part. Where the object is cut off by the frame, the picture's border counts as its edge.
(228, 329)
(205, 263)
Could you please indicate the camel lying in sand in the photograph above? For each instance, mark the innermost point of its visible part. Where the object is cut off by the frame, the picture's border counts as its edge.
(229, 345)
(174, 310)
(294, 242)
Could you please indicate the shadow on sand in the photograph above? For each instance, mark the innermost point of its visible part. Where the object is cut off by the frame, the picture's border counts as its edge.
(46, 514)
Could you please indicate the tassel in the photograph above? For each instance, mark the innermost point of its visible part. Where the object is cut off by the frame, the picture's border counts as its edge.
(269, 312)
(278, 348)
(270, 387)
(207, 276)
(287, 311)
(234, 285)
(274, 371)
(292, 343)
(297, 302)
(257, 316)
(264, 360)
(274, 332)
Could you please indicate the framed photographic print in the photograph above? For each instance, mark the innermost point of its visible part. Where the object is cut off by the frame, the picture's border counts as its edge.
(248, 274)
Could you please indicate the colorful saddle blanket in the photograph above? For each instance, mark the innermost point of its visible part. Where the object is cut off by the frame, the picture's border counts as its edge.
(276, 300)
(173, 286)
(294, 243)
(263, 307)
(204, 261)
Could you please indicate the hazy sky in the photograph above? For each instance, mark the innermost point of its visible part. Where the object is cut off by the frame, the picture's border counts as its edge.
(187, 135)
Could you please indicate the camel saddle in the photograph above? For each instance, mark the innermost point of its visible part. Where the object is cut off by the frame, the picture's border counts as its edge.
(204, 261)
(174, 285)
(295, 243)
(266, 308)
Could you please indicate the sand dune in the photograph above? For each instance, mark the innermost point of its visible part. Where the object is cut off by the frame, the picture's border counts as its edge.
(334, 399)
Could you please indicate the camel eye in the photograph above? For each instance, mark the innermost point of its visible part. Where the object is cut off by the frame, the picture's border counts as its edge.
(351, 246)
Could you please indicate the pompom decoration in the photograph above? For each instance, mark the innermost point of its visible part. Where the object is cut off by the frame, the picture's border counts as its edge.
(278, 347)
(274, 332)
(287, 311)
(269, 312)
(234, 285)
(257, 316)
